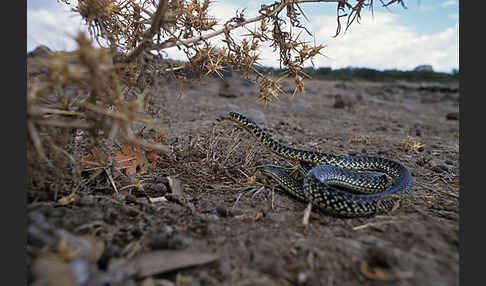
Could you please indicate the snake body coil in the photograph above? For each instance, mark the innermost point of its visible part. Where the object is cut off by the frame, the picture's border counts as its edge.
(336, 184)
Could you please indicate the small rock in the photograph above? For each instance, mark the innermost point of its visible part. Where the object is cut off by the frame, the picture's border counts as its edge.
(159, 188)
(452, 116)
(421, 162)
(341, 101)
(342, 85)
(227, 94)
(223, 212)
(225, 90)
(383, 128)
(213, 217)
(439, 168)
(302, 278)
(159, 241)
(169, 230)
(110, 252)
(132, 213)
(86, 200)
(120, 197)
(163, 180)
(195, 282)
(130, 198)
(443, 167)
(177, 242)
(418, 132)
(225, 267)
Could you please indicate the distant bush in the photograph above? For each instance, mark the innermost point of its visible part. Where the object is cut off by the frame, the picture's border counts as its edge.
(376, 75)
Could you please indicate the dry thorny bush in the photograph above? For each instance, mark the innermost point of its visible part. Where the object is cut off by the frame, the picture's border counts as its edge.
(82, 101)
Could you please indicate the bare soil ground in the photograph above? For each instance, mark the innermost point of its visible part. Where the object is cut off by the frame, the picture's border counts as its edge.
(256, 234)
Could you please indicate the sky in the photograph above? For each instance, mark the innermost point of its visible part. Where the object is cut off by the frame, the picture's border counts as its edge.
(426, 32)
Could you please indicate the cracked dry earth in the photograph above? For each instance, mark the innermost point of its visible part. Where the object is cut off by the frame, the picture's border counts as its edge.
(256, 233)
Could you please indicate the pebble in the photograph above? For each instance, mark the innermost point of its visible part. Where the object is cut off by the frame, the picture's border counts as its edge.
(421, 162)
(418, 132)
(159, 241)
(159, 188)
(383, 128)
(341, 101)
(302, 278)
(86, 200)
(130, 198)
(110, 251)
(449, 162)
(177, 242)
(452, 116)
(224, 212)
(440, 168)
(169, 230)
(213, 217)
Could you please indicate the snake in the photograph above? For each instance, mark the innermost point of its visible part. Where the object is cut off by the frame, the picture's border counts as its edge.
(338, 185)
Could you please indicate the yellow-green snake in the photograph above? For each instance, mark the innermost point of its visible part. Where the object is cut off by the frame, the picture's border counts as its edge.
(336, 184)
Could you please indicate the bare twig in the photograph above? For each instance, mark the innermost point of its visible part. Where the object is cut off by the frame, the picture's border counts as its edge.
(157, 22)
(34, 136)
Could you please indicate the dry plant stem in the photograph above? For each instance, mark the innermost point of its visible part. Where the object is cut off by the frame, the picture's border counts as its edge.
(157, 21)
(439, 190)
(230, 27)
(132, 139)
(110, 178)
(118, 115)
(37, 110)
(36, 140)
(307, 213)
(60, 123)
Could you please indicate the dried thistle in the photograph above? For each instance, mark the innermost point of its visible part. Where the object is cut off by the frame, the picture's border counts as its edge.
(411, 143)
(130, 27)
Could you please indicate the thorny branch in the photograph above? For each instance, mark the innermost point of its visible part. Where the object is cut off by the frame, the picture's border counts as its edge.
(131, 28)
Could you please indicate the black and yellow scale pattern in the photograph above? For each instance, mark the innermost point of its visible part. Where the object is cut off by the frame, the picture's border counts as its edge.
(336, 184)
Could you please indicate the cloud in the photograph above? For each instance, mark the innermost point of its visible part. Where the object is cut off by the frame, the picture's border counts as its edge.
(434, 6)
(382, 42)
(453, 16)
(53, 26)
(448, 3)
(379, 42)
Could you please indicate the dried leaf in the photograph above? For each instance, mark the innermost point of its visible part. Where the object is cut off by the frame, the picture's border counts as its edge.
(130, 161)
(96, 158)
(152, 157)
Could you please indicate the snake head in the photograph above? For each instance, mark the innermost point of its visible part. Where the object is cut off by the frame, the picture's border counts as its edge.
(243, 120)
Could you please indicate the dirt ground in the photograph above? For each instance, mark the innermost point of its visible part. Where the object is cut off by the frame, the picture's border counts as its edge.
(254, 234)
